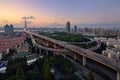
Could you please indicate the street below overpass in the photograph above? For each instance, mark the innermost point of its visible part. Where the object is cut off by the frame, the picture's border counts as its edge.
(83, 70)
(98, 68)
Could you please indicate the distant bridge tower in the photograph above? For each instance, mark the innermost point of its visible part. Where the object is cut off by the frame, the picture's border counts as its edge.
(25, 26)
(27, 18)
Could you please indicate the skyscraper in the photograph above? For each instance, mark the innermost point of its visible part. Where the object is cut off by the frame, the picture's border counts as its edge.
(68, 27)
(9, 29)
(75, 28)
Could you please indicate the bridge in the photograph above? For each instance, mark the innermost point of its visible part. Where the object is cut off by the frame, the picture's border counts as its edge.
(76, 51)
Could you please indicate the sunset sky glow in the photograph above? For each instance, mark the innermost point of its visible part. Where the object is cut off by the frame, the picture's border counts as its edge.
(59, 11)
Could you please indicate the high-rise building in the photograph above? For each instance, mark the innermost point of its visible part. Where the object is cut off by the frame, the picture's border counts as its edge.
(75, 28)
(68, 27)
(9, 29)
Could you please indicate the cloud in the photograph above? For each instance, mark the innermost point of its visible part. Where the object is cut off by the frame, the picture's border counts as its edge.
(28, 17)
(55, 25)
(6, 21)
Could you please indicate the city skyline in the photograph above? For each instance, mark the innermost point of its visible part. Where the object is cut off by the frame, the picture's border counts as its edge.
(54, 12)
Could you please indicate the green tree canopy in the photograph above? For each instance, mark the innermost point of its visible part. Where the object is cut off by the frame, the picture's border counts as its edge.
(46, 71)
(20, 73)
(90, 75)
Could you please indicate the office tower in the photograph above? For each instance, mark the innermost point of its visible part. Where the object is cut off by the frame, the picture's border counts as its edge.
(9, 29)
(68, 27)
(75, 28)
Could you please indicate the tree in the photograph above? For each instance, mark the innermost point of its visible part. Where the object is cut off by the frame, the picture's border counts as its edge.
(19, 73)
(10, 70)
(46, 71)
(90, 75)
(11, 78)
(29, 41)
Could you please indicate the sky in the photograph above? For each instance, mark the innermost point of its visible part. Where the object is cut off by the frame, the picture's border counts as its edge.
(52, 12)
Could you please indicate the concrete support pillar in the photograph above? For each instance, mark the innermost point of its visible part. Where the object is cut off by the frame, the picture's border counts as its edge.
(75, 57)
(16, 46)
(84, 60)
(64, 55)
(1, 55)
(35, 48)
(54, 53)
(39, 51)
(46, 52)
(54, 46)
(118, 75)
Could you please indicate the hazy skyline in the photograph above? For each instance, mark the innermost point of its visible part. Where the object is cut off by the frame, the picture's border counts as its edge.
(59, 11)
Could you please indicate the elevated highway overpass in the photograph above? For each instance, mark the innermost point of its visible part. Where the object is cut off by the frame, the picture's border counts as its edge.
(83, 52)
